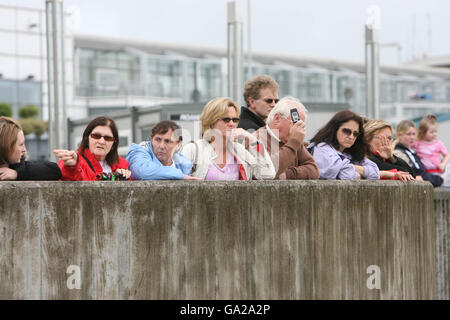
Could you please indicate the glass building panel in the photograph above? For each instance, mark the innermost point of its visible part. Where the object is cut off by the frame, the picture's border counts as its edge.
(385, 91)
(8, 91)
(127, 61)
(106, 59)
(407, 90)
(30, 93)
(203, 80)
(85, 57)
(191, 85)
(282, 77)
(346, 88)
(312, 87)
(20, 93)
(435, 89)
(209, 82)
(255, 72)
(165, 77)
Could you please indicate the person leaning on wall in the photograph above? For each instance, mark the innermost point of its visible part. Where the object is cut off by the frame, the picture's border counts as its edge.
(97, 157)
(159, 159)
(219, 155)
(339, 149)
(284, 139)
(404, 149)
(378, 134)
(12, 156)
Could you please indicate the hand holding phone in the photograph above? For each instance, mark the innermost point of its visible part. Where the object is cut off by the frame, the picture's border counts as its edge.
(294, 115)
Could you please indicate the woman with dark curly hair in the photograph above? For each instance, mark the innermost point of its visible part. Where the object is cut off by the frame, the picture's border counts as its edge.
(339, 149)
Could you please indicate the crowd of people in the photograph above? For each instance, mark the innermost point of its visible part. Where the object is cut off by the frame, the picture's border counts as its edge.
(263, 140)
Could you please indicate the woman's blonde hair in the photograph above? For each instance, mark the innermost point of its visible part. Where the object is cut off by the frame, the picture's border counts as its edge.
(424, 125)
(9, 129)
(214, 110)
(372, 126)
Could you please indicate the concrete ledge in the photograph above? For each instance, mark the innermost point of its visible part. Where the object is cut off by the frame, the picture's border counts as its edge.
(442, 218)
(217, 240)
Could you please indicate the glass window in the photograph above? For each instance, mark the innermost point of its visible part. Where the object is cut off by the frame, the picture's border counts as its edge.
(85, 57)
(348, 89)
(8, 91)
(127, 62)
(106, 59)
(165, 77)
(30, 93)
(408, 90)
(282, 77)
(123, 141)
(209, 80)
(312, 87)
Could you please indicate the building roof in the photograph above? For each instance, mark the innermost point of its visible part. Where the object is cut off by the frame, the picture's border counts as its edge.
(202, 52)
(437, 61)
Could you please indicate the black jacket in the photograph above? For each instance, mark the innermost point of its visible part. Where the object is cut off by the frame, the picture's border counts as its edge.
(384, 164)
(36, 170)
(417, 166)
(249, 120)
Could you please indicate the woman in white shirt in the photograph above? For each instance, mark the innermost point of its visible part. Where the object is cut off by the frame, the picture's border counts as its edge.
(218, 155)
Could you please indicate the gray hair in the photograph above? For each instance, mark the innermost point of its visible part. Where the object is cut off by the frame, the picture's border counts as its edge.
(284, 106)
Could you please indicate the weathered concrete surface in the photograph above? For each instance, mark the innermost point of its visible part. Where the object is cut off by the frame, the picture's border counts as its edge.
(217, 240)
(442, 218)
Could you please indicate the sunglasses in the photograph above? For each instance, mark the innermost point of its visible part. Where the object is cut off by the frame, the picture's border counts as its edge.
(348, 132)
(97, 136)
(269, 101)
(226, 120)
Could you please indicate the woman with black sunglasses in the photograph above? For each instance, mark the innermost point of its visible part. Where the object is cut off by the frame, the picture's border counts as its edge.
(219, 155)
(339, 149)
(97, 157)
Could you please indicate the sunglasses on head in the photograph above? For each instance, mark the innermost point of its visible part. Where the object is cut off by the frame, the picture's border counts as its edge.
(348, 132)
(227, 119)
(268, 100)
(97, 136)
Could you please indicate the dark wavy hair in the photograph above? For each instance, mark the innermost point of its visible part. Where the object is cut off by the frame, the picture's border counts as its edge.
(113, 156)
(328, 134)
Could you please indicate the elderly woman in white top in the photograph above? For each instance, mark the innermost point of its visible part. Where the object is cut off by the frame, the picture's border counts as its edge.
(218, 155)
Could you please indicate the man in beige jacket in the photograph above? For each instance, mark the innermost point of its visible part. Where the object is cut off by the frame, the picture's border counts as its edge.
(284, 141)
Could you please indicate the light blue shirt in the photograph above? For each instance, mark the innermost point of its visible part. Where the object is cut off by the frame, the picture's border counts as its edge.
(144, 165)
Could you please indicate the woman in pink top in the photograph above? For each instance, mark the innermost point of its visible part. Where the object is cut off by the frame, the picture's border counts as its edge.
(429, 148)
(219, 155)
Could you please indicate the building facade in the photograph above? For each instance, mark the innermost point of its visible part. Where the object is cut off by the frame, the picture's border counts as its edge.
(23, 60)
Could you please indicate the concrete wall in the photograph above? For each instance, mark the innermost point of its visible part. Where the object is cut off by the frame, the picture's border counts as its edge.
(218, 240)
(442, 221)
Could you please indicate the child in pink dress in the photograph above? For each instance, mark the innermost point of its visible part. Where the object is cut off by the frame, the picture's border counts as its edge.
(429, 148)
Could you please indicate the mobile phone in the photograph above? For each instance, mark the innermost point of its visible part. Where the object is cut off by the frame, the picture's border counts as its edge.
(294, 115)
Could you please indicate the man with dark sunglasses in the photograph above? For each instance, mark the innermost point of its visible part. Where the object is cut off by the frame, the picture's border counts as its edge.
(261, 95)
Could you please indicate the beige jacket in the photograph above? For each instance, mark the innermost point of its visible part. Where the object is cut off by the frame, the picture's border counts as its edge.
(256, 165)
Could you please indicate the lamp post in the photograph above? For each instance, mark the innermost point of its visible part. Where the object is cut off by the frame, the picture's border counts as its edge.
(235, 52)
(372, 59)
(56, 76)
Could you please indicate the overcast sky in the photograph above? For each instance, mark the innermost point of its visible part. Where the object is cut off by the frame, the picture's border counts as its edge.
(320, 28)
